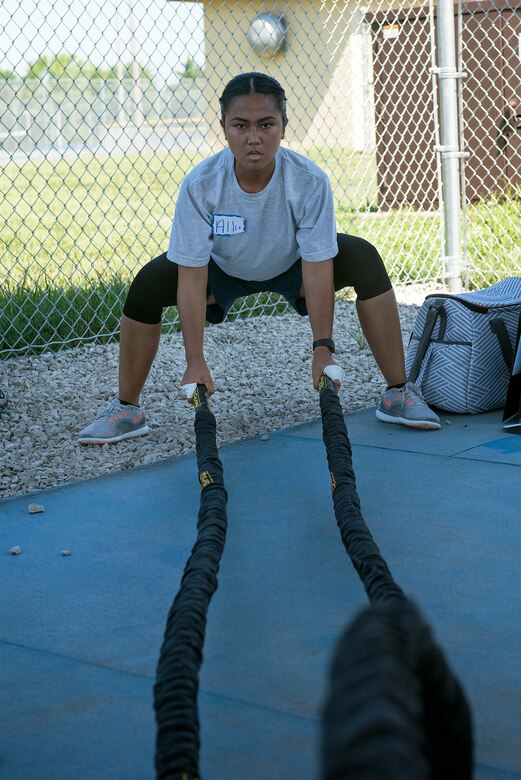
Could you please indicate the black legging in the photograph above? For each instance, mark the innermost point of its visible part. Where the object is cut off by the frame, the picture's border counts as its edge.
(357, 264)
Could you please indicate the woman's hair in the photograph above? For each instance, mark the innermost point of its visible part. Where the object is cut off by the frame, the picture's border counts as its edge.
(251, 84)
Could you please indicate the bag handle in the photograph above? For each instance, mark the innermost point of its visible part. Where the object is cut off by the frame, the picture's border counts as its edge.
(497, 326)
(436, 309)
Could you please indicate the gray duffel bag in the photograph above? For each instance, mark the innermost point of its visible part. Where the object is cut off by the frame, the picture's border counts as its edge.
(461, 350)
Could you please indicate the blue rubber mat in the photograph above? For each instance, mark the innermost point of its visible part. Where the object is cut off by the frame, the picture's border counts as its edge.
(81, 633)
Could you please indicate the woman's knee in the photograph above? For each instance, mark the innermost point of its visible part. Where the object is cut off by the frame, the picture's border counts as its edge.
(153, 288)
(359, 265)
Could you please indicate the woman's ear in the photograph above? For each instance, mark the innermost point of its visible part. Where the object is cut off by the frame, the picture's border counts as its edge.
(222, 125)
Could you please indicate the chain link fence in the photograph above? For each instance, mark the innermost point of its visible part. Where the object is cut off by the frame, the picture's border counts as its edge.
(104, 109)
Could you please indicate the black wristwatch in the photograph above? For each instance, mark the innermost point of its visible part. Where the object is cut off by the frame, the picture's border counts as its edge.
(329, 343)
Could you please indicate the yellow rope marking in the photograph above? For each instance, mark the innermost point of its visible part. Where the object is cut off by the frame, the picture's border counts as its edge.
(205, 478)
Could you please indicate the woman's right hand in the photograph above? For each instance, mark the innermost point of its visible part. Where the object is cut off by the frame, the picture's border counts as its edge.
(197, 372)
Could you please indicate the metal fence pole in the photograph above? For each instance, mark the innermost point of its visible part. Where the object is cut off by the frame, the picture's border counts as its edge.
(449, 149)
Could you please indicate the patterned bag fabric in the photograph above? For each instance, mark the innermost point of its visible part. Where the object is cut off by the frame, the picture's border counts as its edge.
(461, 350)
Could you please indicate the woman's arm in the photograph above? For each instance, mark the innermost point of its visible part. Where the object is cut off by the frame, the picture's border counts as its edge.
(319, 292)
(191, 304)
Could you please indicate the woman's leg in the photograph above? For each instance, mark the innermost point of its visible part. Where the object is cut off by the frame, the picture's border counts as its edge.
(380, 323)
(359, 265)
(153, 288)
(138, 346)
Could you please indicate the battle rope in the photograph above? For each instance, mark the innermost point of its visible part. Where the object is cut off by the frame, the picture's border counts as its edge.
(394, 707)
(177, 679)
(360, 545)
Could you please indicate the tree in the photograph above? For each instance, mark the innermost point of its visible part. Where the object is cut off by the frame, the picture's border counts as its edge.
(191, 70)
(38, 69)
(67, 67)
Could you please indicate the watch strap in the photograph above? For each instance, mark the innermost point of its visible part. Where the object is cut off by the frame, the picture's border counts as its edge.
(329, 343)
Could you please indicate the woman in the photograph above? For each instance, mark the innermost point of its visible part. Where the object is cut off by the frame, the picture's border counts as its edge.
(256, 217)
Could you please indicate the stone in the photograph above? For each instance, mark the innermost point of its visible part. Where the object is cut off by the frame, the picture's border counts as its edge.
(35, 508)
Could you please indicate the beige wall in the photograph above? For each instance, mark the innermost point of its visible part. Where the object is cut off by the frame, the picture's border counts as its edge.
(320, 70)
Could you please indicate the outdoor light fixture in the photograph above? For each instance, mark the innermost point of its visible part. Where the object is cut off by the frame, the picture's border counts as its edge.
(267, 34)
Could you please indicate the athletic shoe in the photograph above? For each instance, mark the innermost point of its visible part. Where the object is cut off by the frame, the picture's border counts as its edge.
(115, 422)
(3, 399)
(407, 406)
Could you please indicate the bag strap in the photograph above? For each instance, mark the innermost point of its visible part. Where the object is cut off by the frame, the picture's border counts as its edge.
(497, 326)
(435, 310)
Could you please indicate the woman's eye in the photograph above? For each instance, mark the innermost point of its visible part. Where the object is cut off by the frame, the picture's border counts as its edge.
(267, 125)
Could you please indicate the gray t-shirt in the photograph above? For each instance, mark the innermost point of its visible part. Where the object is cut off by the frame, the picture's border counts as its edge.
(254, 236)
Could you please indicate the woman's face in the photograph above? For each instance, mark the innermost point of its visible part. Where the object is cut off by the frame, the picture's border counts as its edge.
(253, 128)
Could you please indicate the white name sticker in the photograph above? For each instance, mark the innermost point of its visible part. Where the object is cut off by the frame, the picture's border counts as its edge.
(228, 224)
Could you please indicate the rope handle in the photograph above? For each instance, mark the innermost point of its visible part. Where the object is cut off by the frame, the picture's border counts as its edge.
(200, 396)
(325, 383)
(333, 373)
(196, 391)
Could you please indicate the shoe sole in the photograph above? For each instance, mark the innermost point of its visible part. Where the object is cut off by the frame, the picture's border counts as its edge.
(425, 425)
(114, 439)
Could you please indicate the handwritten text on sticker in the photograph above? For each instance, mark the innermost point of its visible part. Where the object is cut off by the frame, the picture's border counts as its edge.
(228, 224)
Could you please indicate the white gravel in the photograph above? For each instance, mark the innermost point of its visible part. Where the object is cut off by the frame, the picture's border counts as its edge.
(262, 372)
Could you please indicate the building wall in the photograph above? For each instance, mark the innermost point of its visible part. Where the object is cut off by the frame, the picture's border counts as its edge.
(321, 70)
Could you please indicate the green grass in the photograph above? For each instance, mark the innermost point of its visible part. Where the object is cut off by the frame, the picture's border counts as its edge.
(75, 233)
(410, 241)
(33, 320)
(352, 176)
(76, 222)
(493, 235)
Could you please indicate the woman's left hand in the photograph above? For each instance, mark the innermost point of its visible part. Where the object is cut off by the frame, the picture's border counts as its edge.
(322, 357)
